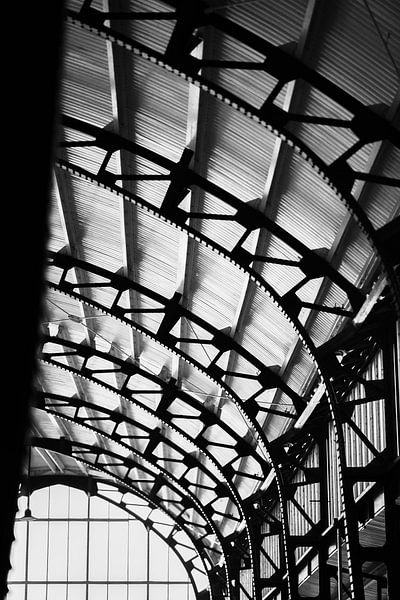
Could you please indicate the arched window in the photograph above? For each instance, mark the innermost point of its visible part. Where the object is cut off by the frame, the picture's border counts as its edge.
(79, 546)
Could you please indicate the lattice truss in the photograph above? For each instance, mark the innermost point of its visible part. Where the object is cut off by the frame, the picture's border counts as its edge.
(202, 349)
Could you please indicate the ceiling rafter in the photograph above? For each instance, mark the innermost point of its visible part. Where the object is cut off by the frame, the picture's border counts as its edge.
(368, 125)
(275, 172)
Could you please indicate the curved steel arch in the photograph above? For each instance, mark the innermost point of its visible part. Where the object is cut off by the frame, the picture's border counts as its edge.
(65, 447)
(169, 392)
(172, 310)
(50, 402)
(169, 387)
(331, 400)
(346, 492)
(367, 125)
(65, 262)
(345, 195)
(289, 306)
(181, 178)
(90, 486)
(161, 479)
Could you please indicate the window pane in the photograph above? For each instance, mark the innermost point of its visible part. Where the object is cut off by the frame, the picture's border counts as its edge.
(117, 592)
(177, 571)
(37, 551)
(137, 592)
(56, 591)
(37, 591)
(77, 551)
(118, 552)
(97, 592)
(58, 535)
(98, 552)
(157, 592)
(158, 559)
(39, 503)
(58, 502)
(16, 591)
(78, 504)
(178, 592)
(76, 591)
(118, 565)
(137, 551)
(117, 512)
(98, 508)
(18, 552)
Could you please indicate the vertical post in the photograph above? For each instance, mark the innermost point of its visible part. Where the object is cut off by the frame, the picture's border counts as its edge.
(339, 561)
(391, 369)
(324, 579)
(148, 564)
(26, 560)
(87, 545)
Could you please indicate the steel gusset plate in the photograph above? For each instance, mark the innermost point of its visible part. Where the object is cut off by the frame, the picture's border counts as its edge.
(363, 123)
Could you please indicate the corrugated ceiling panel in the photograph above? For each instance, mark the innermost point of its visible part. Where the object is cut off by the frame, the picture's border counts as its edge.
(156, 253)
(155, 107)
(384, 201)
(278, 22)
(85, 91)
(238, 151)
(309, 209)
(327, 142)
(101, 242)
(353, 54)
(199, 385)
(154, 357)
(353, 263)
(55, 379)
(215, 288)
(268, 335)
(253, 85)
(155, 33)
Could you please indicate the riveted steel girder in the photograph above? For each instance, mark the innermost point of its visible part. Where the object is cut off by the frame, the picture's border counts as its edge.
(364, 122)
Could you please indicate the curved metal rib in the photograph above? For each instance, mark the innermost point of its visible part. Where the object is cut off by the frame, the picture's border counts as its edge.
(91, 486)
(365, 123)
(73, 449)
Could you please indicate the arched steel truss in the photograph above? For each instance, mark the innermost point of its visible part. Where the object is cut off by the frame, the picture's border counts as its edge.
(76, 450)
(168, 392)
(64, 263)
(365, 123)
(92, 487)
(310, 262)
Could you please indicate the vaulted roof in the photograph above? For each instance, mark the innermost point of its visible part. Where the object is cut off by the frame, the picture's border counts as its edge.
(223, 217)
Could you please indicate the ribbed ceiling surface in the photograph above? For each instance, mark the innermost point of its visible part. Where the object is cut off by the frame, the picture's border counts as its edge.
(187, 299)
